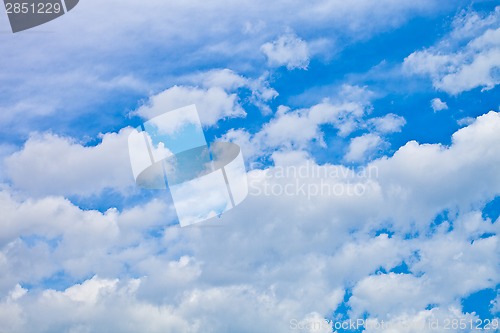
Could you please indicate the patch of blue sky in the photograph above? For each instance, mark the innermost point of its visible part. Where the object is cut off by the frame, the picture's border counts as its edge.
(492, 209)
(402, 268)
(187, 137)
(442, 217)
(384, 231)
(58, 281)
(354, 61)
(110, 198)
(341, 316)
(480, 302)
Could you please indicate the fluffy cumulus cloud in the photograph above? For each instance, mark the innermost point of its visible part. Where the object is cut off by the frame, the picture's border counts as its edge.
(387, 124)
(297, 129)
(53, 165)
(438, 105)
(188, 280)
(110, 301)
(441, 275)
(426, 321)
(288, 50)
(217, 104)
(347, 218)
(362, 146)
(215, 92)
(467, 58)
(469, 154)
(347, 112)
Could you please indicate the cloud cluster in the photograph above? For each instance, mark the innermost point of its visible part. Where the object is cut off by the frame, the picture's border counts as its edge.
(63, 166)
(53, 165)
(215, 91)
(467, 58)
(438, 105)
(239, 266)
(289, 51)
(346, 113)
(398, 238)
(361, 146)
(157, 42)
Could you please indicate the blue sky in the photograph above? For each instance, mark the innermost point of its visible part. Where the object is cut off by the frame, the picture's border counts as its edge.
(409, 89)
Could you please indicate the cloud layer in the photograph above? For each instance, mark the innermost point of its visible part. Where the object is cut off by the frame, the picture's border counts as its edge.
(312, 240)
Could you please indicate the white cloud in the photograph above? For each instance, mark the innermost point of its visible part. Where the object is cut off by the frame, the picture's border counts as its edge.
(89, 291)
(68, 168)
(425, 321)
(312, 323)
(438, 105)
(216, 99)
(5, 151)
(362, 146)
(53, 165)
(448, 265)
(39, 238)
(467, 58)
(371, 254)
(297, 129)
(214, 103)
(465, 121)
(116, 307)
(193, 279)
(382, 295)
(243, 139)
(495, 305)
(288, 50)
(389, 123)
(233, 274)
(415, 170)
(443, 280)
(224, 78)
